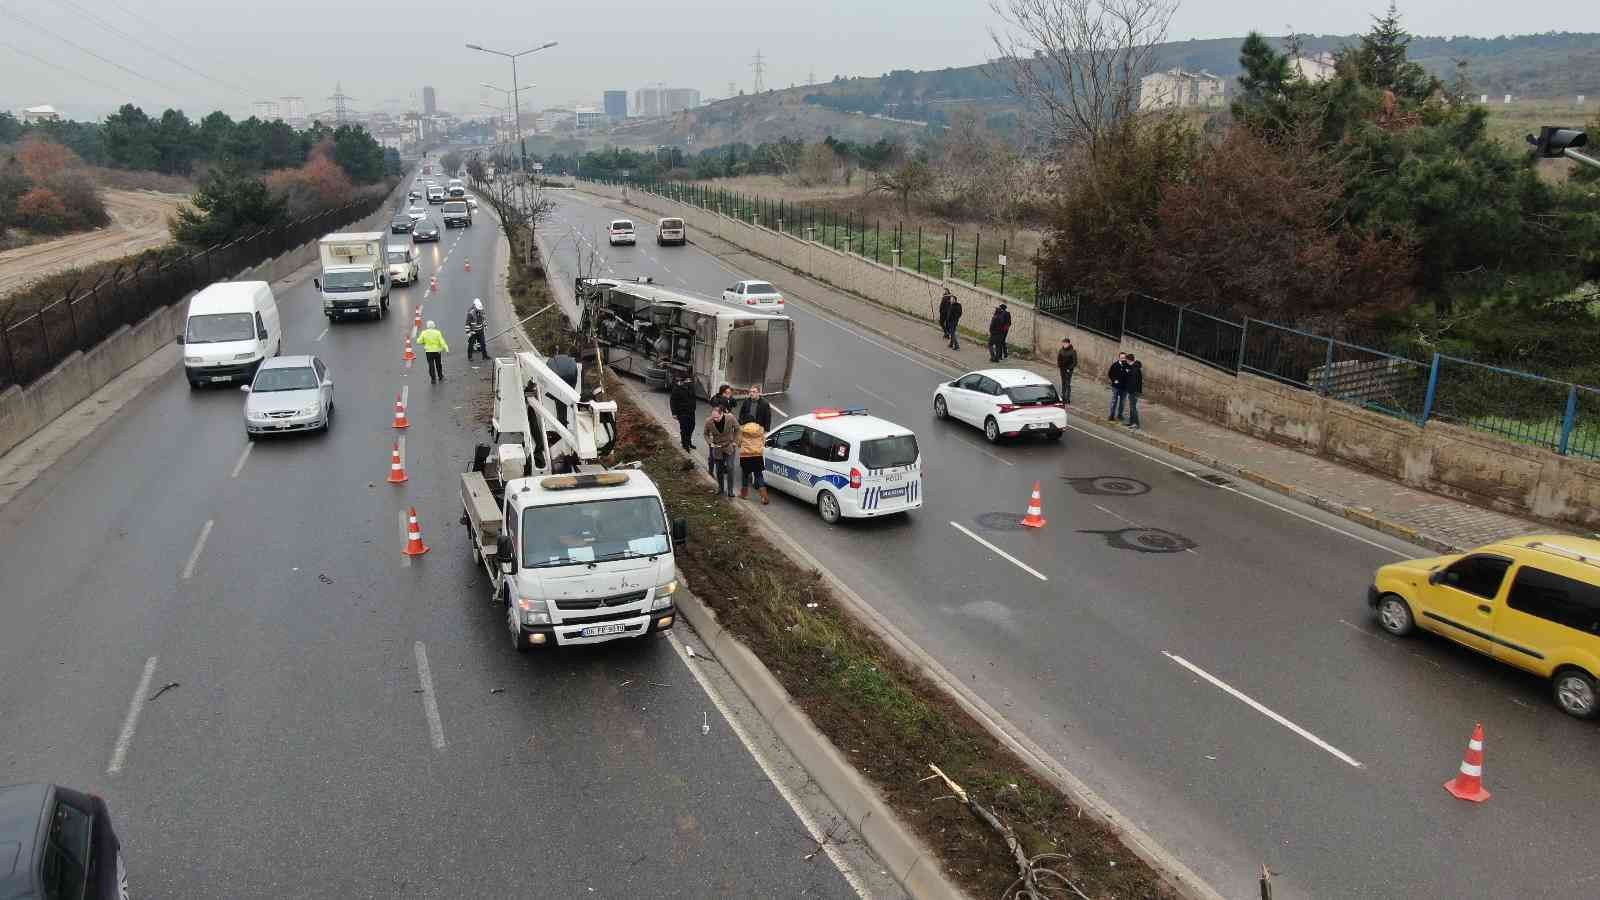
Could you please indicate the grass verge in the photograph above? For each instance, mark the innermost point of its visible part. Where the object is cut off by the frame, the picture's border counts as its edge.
(880, 713)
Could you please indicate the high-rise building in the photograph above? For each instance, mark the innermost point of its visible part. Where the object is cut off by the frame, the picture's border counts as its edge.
(678, 100)
(293, 110)
(647, 102)
(265, 110)
(616, 103)
(429, 104)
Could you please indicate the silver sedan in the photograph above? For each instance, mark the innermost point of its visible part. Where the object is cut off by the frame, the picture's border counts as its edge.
(289, 393)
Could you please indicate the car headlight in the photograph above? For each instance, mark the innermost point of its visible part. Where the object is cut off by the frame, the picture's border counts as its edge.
(663, 595)
(194, 360)
(306, 410)
(239, 356)
(258, 417)
(534, 612)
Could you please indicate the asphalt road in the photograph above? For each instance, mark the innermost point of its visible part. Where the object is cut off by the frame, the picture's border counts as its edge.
(1221, 681)
(346, 722)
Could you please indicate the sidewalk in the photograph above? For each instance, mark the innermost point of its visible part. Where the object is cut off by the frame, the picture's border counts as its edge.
(1431, 520)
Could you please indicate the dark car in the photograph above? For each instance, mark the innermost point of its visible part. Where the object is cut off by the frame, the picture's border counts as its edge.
(400, 224)
(56, 842)
(425, 231)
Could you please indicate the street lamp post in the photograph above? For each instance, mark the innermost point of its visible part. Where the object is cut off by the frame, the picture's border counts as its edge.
(516, 101)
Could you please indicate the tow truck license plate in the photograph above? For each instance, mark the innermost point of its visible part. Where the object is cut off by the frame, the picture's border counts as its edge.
(597, 630)
(221, 378)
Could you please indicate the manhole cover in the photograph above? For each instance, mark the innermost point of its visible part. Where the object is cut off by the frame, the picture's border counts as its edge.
(1145, 540)
(1107, 485)
(999, 521)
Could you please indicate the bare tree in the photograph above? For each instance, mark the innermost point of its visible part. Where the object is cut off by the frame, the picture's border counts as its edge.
(1078, 62)
(910, 179)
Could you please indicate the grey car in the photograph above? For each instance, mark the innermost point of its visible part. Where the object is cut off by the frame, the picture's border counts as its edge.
(289, 393)
(57, 842)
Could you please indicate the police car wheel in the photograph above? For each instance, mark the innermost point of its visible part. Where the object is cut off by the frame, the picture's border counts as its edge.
(828, 507)
(940, 410)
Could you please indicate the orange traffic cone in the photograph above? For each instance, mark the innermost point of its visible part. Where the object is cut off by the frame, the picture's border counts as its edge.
(408, 356)
(418, 320)
(433, 283)
(397, 469)
(1035, 516)
(400, 420)
(1468, 783)
(467, 266)
(414, 544)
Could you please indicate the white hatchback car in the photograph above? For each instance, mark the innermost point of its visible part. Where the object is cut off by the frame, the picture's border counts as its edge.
(753, 293)
(289, 393)
(851, 465)
(620, 231)
(1004, 403)
(416, 213)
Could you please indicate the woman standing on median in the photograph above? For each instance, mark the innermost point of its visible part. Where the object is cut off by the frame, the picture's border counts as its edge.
(722, 441)
(752, 460)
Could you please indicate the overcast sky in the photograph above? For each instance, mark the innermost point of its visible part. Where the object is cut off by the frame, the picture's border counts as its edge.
(225, 53)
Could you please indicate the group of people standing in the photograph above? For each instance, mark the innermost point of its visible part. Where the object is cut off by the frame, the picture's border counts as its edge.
(734, 430)
(950, 323)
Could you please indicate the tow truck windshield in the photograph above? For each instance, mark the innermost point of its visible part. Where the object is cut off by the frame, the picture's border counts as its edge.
(220, 327)
(336, 282)
(593, 531)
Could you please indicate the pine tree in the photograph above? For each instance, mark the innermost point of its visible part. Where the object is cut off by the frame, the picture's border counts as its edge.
(1382, 63)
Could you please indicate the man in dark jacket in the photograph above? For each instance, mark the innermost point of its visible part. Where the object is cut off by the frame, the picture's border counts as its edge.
(952, 323)
(944, 314)
(1066, 361)
(1116, 375)
(682, 408)
(1005, 330)
(1133, 386)
(755, 409)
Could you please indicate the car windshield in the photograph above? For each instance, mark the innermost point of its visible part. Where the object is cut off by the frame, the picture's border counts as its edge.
(759, 287)
(334, 282)
(398, 256)
(889, 452)
(220, 327)
(1024, 394)
(298, 378)
(593, 531)
(455, 207)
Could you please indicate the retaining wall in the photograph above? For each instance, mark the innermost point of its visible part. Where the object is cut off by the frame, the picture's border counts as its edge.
(1443, 458)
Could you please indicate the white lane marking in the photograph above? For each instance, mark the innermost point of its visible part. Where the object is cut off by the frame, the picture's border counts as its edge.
(777, 410)
(405, 396)
(402, 444)
(318, 338)
(1133, 523)
(999, 459)
(1247, 700)
(876, 395)
(1238, 493)
(119, 751)
(1008, 557)
(243, 455)
(802, 356)
(405, 561)
(199, 545)
(430, 703)
(801, 812)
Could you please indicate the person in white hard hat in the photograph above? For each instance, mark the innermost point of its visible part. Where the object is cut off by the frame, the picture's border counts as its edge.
(475, 325)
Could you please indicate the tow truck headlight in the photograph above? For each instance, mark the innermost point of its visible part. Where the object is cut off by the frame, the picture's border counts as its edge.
(239, 356)
(534, 612)
(663, 595)
(194, 360)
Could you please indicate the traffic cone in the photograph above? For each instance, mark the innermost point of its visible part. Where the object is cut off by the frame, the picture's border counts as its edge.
(1035, 516)
(414, 544)
(400, 413)
(397, 469)
(433, 283)
(467, 266)
(1468, 783)
(408, 356)
(418, 320)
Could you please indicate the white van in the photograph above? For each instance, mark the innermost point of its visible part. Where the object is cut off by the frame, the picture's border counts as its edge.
(851, 465)
(231, 327)
(671, 231)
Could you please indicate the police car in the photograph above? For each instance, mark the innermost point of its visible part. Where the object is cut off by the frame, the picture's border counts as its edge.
(851, 465)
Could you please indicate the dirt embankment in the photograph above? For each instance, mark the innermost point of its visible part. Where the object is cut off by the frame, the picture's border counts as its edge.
(138, 222)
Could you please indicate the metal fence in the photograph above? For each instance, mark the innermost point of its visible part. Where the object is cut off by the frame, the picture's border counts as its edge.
(88, 311)
(1560, 416)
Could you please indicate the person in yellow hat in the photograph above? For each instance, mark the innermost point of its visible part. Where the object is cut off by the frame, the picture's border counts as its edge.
(432, 341)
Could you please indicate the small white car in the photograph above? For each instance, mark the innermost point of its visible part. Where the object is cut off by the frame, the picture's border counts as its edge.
(753, 293)
(416, 213)
(289, 393)
(1004, 403)
(620, 231)
(851, 465)
(402, 263)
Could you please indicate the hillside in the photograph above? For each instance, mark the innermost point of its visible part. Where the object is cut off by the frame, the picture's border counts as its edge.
(758, 119)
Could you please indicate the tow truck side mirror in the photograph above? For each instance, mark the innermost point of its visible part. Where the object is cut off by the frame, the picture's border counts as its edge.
(317, 282)
(180, 338)
(505, 554)
(680, 532)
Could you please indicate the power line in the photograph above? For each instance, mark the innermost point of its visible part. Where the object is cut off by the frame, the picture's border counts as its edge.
(161, 53)
(85, 50)
(55, 65)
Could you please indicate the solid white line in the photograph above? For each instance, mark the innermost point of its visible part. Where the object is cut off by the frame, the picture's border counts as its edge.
(405, 398)
(243, 455)
(877, 395)
(1250, 702)
(430, 703)
(402, 443)
(808, 359)
(119, 752)
(318, 338)
(405, 561)
(801, 812)
(1008, 557)
(999, 459)
(199, 545)
(777, 410)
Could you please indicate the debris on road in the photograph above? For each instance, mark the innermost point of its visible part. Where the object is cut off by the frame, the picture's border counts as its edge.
(497, 690)
(164, 688)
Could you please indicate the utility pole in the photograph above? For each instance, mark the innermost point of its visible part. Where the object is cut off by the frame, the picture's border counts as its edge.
(760, 67)
(339, 98)
(811, 76)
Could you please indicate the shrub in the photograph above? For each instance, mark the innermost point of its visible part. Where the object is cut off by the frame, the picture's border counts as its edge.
(41, 210)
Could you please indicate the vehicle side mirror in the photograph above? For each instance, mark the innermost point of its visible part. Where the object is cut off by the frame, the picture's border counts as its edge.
(505, 554)
(1436, 576)
(245, 388)
(317, 282)
(261, 334)
(680, 532)
(772, 442)
(180, 338)
(329, 382)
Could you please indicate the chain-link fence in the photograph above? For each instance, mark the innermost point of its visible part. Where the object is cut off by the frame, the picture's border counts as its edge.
(93, 307)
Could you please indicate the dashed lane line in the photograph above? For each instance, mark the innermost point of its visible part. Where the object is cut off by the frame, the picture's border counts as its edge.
(119, 751)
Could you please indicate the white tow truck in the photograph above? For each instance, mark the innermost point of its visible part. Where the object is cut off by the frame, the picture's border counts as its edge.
(576, 553)
(355, 275)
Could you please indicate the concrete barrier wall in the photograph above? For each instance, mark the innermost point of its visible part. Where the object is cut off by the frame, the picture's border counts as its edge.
(1442, 458)
(25, 410)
